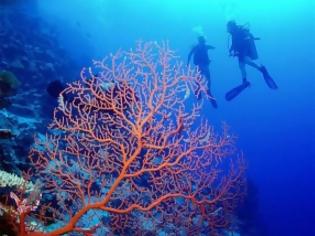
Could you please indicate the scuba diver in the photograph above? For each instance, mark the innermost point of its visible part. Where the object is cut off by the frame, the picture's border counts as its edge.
(243, 47)
(202, 61)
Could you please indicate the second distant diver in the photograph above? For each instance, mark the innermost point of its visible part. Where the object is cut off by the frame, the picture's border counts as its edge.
(202, 61)
(243, 47)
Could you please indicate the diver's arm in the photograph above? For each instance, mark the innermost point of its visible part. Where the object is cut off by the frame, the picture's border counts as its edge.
(253, 37)
(210, 47)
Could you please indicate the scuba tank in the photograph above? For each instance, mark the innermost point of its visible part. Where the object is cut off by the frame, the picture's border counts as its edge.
(252, 49)
(243, 41)
(250, 41)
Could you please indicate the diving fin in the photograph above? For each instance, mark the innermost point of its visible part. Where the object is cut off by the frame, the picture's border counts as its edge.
(268, 79)
(236, 91)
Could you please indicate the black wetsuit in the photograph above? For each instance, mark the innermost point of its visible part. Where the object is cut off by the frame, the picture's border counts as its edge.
(201, 59)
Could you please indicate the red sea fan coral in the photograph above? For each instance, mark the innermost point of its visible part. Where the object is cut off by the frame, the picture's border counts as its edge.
(126, 153)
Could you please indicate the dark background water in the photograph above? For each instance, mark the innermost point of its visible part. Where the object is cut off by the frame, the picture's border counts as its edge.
(275, 128)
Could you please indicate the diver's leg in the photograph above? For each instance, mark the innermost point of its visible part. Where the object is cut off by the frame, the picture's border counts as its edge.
(261, 68)
(197, 90)
(241, 64)
(268, 79)
(206, 74)
(204, 70)
(250, 62)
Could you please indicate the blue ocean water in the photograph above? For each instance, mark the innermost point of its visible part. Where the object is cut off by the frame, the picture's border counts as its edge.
(275, 129)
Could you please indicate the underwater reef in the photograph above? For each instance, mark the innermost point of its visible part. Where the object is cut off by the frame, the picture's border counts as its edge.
(30, 58)
(129, 153)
